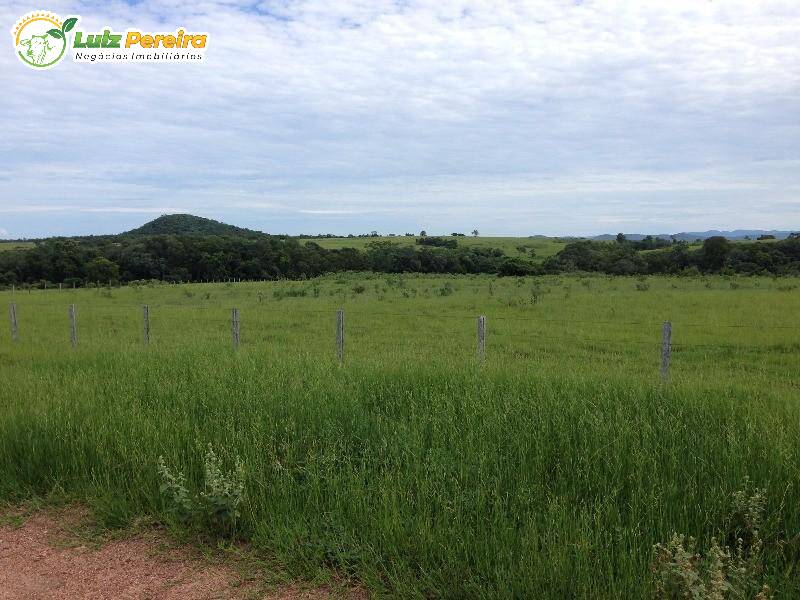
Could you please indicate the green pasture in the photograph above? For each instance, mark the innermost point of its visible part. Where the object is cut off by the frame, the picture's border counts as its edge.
(548, 471)
(542, 247)
(4, 246)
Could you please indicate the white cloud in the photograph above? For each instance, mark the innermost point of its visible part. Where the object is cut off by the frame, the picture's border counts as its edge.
(537, 116)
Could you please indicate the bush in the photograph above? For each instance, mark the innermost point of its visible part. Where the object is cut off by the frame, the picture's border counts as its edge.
(446, 289)
(536, 293)
(726, 572)
(437, 241)
(214, 509)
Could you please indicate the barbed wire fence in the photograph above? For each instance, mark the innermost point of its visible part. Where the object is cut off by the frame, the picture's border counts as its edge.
(481, 321)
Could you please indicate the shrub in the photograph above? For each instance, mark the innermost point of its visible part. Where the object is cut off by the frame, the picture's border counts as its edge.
(536, 293)
(215, 508)
(727, 572)
(681, 572)
(437, 242)
(173, 487)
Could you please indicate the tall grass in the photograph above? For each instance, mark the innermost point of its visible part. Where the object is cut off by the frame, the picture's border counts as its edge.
(549, 472)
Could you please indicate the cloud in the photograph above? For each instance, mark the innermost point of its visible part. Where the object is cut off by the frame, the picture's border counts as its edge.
(535, 117)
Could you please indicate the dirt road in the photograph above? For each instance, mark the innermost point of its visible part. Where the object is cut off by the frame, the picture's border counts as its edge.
(38, 561)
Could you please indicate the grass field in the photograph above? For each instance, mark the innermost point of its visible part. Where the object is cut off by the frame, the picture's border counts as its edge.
(547, 472)
(542, 247)
(15, 245)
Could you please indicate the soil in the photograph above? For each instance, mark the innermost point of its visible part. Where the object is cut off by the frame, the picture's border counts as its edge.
(43, 556)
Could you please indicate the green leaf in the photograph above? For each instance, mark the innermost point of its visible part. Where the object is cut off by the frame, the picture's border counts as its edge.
(56, 33)
(69, 24)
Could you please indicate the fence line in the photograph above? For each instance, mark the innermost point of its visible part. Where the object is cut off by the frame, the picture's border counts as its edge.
(667, 344)
(457, 316)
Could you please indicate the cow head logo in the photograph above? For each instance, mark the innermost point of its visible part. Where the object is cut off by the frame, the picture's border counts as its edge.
(40, 38)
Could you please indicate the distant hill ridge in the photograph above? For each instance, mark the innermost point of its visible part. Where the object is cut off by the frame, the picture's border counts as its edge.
(690, 236)
(183, 224)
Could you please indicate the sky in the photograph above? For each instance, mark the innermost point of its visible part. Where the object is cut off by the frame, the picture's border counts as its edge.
(516, 118)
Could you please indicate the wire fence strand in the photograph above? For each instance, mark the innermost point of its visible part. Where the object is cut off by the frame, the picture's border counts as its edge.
(268, 314)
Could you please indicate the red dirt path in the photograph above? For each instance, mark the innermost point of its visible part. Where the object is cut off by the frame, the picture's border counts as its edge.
(35, 564)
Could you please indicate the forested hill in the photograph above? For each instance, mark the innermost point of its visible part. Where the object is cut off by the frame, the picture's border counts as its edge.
(190, 225)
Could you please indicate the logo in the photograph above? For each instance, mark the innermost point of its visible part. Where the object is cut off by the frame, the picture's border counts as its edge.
(40, 38)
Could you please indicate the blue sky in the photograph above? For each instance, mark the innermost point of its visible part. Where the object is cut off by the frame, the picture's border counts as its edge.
(516, 118)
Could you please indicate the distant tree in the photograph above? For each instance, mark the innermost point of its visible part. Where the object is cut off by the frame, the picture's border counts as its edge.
(373, 233)
(423, 233)
(102, 269)
(620, 238)
(437, 241)
(715, 251)
(475, 233)
(794, 236)
(766, 236)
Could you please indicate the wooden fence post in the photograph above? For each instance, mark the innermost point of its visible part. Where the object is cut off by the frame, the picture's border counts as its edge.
(340, 336)
(73, 322)
(146, 324)
(481, 338)
(12, 313)
(666, 346)
(235, 328)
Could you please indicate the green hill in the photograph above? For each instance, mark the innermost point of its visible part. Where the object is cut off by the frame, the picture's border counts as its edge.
(190, 225)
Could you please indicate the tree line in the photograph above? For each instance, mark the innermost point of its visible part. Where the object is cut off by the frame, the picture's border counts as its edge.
(716, 255)
(198, 257)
